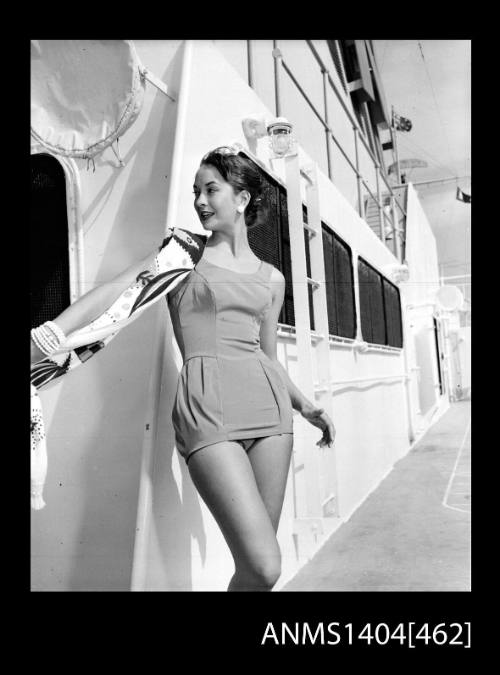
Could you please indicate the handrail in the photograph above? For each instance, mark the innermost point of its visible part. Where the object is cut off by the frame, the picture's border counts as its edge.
(375, 199)
(354, 167)
(351, 117)
(318, 58)
(327, 127)
(296, 83)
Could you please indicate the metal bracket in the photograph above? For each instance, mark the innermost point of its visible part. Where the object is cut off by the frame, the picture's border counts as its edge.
(306, 172)
(311, 230)
(312, 282)
(150, 77)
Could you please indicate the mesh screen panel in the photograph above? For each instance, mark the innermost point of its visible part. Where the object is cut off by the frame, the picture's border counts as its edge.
(49, 261)
(339, 278)
(393, 314)
(371, 301)
(331, 296)
(264, 238)
(344, 288)
(270, 241)
(288, 312)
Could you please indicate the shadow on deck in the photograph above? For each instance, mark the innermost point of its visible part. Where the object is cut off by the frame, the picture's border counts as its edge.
(413, 532)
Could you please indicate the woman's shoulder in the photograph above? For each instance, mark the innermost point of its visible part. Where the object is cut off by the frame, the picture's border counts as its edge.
(276, 274)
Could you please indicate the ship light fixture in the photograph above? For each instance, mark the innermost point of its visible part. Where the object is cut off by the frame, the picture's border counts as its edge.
(281, 140)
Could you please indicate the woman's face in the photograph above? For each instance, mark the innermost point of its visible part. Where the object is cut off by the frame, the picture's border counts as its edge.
(215, 201)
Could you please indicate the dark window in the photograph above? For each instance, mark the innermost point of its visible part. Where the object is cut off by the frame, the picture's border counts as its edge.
(368, 126)
(49, 260)
(350, 59)
(339, 279)
(371, 304)
(287, 315)
(308, 268)
(393, 314)
(337, 58)
(379, 306)
(270, 241)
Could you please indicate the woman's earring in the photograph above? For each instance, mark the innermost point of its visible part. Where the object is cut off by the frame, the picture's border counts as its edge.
(240, 209)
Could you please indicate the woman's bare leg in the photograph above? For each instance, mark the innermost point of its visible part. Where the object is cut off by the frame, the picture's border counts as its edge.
(270, 459)
(223, 475)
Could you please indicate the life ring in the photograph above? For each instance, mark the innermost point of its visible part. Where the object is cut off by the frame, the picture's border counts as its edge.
(84, 94)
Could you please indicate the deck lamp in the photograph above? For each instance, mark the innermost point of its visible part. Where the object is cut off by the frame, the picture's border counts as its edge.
(281, 140)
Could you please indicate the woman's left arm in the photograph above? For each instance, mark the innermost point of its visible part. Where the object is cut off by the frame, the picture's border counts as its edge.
(268, 339)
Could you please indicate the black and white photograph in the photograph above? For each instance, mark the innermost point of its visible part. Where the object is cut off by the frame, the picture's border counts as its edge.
(250, 297)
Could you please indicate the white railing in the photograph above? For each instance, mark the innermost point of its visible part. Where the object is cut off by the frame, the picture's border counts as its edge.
(390, 230)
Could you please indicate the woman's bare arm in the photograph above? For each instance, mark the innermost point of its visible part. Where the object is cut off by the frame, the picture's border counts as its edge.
(94, 303)
(268, 334)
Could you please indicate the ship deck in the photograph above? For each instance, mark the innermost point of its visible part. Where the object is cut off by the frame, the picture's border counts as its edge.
(413, 532)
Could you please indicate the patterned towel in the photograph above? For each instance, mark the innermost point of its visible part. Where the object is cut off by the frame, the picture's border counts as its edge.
(178, 254)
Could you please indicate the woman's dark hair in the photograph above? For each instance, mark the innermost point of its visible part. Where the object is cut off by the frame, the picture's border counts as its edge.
(242, 174)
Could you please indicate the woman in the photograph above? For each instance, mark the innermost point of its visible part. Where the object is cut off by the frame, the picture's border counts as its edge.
(232, 412)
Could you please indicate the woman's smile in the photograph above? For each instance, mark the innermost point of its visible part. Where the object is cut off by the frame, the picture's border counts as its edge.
(205, 215)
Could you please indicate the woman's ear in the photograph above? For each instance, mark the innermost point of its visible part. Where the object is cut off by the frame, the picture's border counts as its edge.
(245, 197)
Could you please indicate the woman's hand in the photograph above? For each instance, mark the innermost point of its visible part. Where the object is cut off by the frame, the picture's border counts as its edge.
(319, 418)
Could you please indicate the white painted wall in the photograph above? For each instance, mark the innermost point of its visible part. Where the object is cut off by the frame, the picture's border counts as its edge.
(83, 539)
(419, 298)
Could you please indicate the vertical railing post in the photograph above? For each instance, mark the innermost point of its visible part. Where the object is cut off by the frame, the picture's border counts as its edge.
(349, 114)
(277, 58)
(361, 206)
(381, 216)
(396, 234)
(395, 147)
(327, 129)
(250, 63)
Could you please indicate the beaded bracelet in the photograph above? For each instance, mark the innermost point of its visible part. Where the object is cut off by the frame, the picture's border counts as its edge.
(48, 337)
(56, 330)
(45, 341)
(39, 339)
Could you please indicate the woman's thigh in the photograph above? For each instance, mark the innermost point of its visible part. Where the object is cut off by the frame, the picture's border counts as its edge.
(270, 459)
(224, 478)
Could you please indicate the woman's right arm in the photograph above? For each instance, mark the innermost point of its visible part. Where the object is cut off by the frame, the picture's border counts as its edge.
(95, 302)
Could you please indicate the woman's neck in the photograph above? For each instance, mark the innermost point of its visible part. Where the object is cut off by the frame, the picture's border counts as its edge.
(230, 247)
